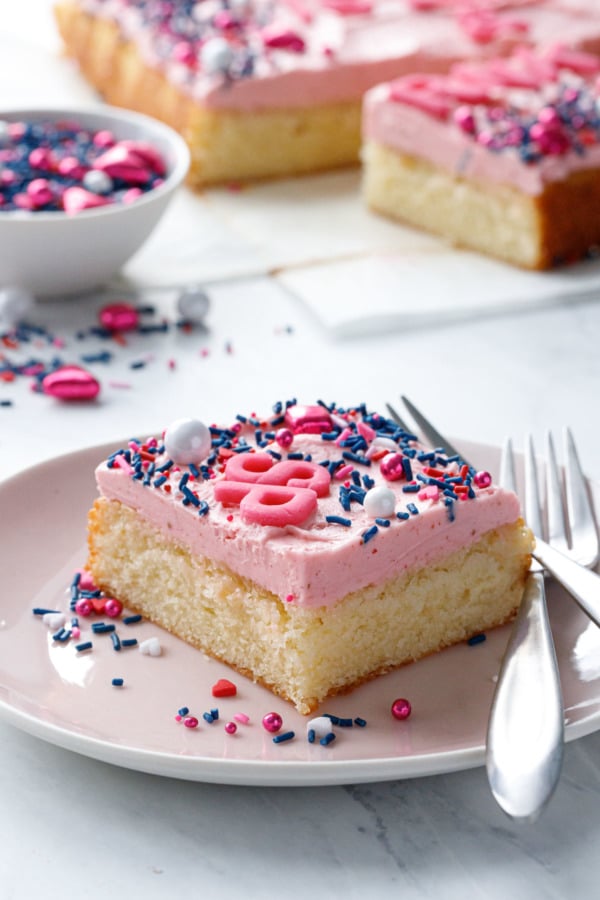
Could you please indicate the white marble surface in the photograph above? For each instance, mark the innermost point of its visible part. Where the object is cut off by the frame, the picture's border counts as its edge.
(71, 826)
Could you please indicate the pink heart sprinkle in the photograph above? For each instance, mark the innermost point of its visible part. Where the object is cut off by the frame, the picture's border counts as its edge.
(77, 199)
(71, 383)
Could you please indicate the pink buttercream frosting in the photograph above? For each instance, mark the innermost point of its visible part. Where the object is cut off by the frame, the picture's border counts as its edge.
(524, 121)
(317, 561)
(296, 53)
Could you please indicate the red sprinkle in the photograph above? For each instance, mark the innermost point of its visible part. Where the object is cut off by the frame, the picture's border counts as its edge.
(224, 688)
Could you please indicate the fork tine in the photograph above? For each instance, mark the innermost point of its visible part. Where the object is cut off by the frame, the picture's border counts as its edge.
(533, 513)
(508, 479)
(430, 432)
(397, 418)
(557, 533)
(584, 534)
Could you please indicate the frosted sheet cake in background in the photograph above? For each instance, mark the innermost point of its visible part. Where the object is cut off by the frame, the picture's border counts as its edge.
(261, 88)
(501, 156)
(311, 550)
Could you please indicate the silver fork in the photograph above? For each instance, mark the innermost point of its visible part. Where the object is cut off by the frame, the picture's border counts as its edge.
(525, 736)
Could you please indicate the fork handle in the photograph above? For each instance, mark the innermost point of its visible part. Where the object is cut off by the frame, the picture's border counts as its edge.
(525, 734)
(581, 583)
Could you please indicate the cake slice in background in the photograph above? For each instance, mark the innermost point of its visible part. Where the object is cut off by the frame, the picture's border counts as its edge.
(502, 157)
(262, 89)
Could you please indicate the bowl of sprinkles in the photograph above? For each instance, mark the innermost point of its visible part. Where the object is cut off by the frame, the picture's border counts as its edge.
(80, 192)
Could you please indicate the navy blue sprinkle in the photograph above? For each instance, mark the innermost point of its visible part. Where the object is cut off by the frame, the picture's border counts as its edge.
(476, 639)
(338, 520)
(369, 534)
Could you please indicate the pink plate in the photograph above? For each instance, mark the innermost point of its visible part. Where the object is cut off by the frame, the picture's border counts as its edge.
(67, 698)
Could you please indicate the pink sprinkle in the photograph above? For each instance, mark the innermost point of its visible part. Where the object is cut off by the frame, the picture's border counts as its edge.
(289, 598)
(342, 437)
(33, 370)
(483, 479)
(171, 363)
(86, 582)
(231, 728)
(242, 717)
(431, 492)
(283, 39)
(342, 472)
(133, 445)
(205, 352)
(464, 118)
(366, 431)
(75, 631)
(122, 463)
(59, 342)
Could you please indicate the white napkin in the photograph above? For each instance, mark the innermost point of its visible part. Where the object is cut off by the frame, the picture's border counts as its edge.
(380, 292)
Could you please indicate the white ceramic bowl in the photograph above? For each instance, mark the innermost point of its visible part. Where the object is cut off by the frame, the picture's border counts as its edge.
(52, 253)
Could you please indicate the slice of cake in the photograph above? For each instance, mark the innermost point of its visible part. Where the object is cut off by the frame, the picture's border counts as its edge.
(502, 157)
(261, 88)
(311, 550)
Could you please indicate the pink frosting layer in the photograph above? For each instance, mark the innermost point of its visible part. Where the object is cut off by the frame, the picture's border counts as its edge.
(316, 563)
(523, 135)
(347, 46)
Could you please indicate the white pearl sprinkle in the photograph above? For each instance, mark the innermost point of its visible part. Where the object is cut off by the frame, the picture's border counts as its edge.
(192, 305)
(150, 647)
(187, 441)
(15, 304)
(383, 443)
(379, 502)
(97, 182)
(216, 56)
(321, 726)
(54, 620)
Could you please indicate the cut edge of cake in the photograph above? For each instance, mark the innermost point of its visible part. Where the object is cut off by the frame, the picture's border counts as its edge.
(305, 655)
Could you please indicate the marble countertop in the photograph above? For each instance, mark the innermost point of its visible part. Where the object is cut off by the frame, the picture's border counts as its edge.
(482, 363)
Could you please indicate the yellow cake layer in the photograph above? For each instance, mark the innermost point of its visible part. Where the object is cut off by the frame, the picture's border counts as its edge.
(306, 655)
(226, 145)
(534, 232)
